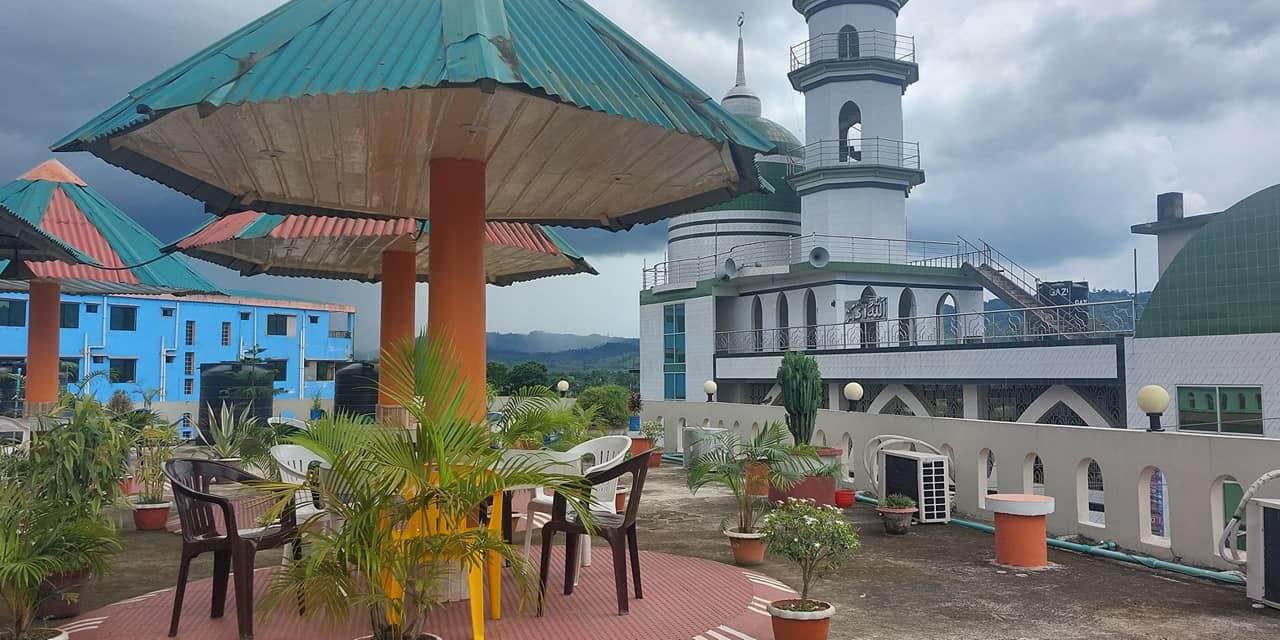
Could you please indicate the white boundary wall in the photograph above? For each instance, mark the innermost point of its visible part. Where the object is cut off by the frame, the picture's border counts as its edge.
(1194, 467)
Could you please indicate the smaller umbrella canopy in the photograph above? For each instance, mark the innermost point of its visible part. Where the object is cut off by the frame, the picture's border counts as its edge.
(352, 248)
(60, 229)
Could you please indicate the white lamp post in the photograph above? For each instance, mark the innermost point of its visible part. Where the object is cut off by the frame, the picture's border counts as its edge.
(709, 388)
(1153, 400)
(562, 387)
(852, 393)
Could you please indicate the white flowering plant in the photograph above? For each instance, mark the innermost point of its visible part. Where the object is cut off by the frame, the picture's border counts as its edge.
(818, 539)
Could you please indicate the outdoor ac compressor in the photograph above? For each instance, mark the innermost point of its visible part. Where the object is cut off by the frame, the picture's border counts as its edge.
(920, 476)
(1262, 526)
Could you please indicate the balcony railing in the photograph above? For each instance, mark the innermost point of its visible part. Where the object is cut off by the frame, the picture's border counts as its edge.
(854, 45)
(788, 251)
(1087, 320)
(857, 151)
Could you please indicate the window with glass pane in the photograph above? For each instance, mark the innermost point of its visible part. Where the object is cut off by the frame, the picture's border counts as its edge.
(1236, 410)
(277, 324)
(123, 370)
(673, 352)
(13, 313)
(124, 318)
(69, 315)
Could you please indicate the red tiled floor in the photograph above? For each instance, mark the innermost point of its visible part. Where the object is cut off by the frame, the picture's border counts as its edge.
(685, 599)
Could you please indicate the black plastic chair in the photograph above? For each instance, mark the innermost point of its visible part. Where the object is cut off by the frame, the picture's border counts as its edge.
(618, 528)
(233, 547)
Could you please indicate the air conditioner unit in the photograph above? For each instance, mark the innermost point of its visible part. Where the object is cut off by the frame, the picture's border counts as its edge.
(920, 476)
(1262, 528)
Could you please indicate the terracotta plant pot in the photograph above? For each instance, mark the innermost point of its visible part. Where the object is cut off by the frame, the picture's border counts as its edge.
(757, 478)
(820, 489)
(639, 445)
(748, 548)
(655, 460)
(801, 625)
(126, 485)
(896, 521)
(55, 607)
(845, 498)
(150, 517)
(620, 499)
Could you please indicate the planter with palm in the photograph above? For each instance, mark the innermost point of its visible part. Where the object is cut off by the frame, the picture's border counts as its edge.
(155, 446)
(388, 559)
(239, 438)
(728, 464)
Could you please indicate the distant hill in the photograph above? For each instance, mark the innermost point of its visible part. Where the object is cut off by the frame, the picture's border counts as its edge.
(565, 352)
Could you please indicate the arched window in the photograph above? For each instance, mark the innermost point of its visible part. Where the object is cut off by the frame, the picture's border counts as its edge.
(850, 128)
(870, 330)
(906, 318)
(948, 320)
(783, 321)
(847, 41)
(811, 319)
(757, 323)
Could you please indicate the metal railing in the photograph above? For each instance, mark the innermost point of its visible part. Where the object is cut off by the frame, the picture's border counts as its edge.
(854, 45)
(788, 251)
(856, 151)
(1091, 319)
(986, 254)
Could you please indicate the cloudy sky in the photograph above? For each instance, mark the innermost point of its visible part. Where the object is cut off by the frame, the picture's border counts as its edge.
(1046, 127)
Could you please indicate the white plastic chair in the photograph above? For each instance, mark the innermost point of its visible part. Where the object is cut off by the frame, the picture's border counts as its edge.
(605, 452)
(294, 461)
(296, 423)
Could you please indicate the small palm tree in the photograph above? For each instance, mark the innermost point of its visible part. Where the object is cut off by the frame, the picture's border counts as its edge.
(728, 462)
(404, 498)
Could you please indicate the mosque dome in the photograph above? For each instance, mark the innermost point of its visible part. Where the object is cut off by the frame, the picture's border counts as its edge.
(1223, 281)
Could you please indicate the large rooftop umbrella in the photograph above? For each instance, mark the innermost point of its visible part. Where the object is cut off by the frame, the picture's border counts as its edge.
(351, 248)
(453, 110)
(79, 243)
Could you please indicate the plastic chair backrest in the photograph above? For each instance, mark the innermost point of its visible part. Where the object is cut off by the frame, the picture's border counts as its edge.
(606, 452)
(288, 421)
(294, 462)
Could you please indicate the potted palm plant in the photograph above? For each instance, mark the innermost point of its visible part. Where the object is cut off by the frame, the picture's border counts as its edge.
(728, 464)
(382, 483)
(238, 437)
(653, 432)
(526, 418)
(819, 540)
(77, 455)
(896, 511)
(155, 447)
(40, 536)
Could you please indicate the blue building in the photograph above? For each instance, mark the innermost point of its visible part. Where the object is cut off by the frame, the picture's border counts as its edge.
(155, 345)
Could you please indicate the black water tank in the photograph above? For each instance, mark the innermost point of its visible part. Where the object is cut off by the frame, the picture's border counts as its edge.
(355, 389)
(10, 398)
(238, 385)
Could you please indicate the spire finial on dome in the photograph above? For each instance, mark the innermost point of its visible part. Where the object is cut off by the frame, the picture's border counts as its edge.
(741, 100)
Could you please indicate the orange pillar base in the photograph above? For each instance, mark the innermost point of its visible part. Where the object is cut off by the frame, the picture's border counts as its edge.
(456, 293)
(1020, 541)
(42, 348)
(399, 277)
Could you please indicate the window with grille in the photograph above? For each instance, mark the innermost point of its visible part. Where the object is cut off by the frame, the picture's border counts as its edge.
(167, 312)
(188, 386)
(190, 332)
(189, 363)
(226, 334)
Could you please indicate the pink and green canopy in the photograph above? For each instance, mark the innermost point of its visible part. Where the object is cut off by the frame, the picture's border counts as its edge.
(351, 248)
(55, 227)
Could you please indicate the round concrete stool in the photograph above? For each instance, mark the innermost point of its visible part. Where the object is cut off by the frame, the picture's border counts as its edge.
(1020, 529)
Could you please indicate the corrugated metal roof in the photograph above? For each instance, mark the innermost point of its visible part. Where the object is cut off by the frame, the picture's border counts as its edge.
(234, 241)
(561, 48)
(59, 205)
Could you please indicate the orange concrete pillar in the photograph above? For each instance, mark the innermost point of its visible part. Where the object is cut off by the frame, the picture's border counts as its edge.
(1020, 529)
(399, 277)
(42, 348)
(455, 295)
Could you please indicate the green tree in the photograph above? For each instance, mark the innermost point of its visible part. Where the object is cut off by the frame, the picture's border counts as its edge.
(496, 374)
(610, 402)
(527, 374)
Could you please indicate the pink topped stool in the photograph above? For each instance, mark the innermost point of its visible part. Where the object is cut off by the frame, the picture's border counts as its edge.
(1020, 529)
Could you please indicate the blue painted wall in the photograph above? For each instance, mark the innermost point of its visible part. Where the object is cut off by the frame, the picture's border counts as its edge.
(160, 344)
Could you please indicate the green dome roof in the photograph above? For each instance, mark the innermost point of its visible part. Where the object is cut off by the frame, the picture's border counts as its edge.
(787, 143)
(1226, 280)
(784, 197)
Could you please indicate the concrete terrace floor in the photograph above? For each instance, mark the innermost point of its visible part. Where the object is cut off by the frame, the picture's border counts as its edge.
(936, 582)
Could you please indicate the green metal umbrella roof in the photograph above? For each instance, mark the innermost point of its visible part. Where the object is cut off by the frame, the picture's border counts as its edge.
(113, 253)
(561, 50)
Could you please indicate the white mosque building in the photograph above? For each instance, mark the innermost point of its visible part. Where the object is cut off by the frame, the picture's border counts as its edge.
(819, 261)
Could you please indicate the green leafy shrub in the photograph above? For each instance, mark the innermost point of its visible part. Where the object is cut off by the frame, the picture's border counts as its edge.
(611, 401)
(897, 501)
(653, 431)
(801, 383)
(818, 539)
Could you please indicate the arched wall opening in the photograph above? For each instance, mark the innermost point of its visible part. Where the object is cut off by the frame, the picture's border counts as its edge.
(784, 321)
(848, 46)
(1091, 496)
(850, 128)
(906, 318)
(947, 312)
(988, 481)
(1153, 507)
(1033, 475)
(811, 319)
(757, 323)
(870, 330)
